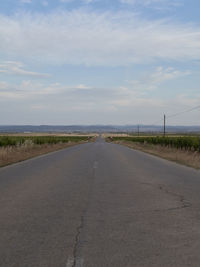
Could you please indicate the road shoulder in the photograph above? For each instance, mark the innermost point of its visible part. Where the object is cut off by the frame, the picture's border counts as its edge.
(187, 158)
(10, 155)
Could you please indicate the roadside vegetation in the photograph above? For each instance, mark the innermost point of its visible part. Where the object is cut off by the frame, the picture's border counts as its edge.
(186, 143)
(17, 148)
(182, 149)
(39, 140)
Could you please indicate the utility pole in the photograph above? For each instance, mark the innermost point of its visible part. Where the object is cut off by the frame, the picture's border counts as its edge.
(164, 132)
(138, 130)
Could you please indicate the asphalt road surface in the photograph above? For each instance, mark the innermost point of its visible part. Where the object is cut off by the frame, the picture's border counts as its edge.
(99, 205)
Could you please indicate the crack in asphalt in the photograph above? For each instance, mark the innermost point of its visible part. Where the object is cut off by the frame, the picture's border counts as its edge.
(76, 262)
(184, 203)
(77, 238)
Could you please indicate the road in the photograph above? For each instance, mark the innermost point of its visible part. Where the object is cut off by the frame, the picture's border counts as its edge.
(99, 205)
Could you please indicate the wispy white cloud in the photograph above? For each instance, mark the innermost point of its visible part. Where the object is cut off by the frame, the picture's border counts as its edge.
(165, 74)
(92, 38)
(4, 85)
(89, 1)
(159, 4)
(110, 105)
(153, 80)
(45, 3)
(84, 1)
(16, 68)
(26, 1)
(83, 95)
(29, 89)
(66, 1)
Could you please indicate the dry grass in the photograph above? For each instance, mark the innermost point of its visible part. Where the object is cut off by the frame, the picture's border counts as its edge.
(105, 135)
(188, 158)
(48, 134)
(9, 155)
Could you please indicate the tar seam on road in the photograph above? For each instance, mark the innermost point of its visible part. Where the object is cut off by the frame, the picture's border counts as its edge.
(76, 261)
(77, 238)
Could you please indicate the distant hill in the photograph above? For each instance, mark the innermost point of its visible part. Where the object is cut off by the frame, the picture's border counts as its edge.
(95, 128)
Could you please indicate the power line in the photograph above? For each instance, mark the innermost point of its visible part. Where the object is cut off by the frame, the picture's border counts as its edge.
(164, 129)
(169, 116)
(178, 113)
(161, 119)
(185, 111)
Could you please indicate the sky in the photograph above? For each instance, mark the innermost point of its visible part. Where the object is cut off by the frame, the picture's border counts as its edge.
(99, 62)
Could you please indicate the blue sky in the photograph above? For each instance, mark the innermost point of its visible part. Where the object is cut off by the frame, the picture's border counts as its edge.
(99, 62)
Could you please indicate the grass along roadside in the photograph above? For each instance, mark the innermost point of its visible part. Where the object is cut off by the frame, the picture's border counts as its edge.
(185, 157)
(12, 151)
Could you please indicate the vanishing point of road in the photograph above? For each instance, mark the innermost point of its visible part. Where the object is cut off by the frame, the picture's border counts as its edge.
(99, 205)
